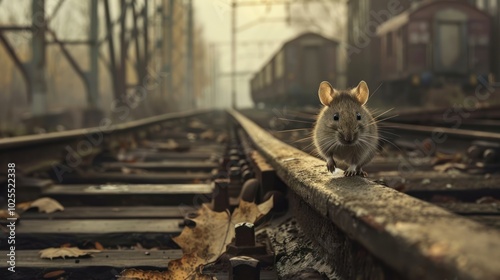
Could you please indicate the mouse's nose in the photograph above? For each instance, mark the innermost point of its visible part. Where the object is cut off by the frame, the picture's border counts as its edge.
(349, 138)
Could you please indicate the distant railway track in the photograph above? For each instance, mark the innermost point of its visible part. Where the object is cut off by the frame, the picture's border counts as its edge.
(126, 192)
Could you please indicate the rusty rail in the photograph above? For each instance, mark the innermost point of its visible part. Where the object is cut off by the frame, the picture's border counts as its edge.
(33, 149)
(414, 238)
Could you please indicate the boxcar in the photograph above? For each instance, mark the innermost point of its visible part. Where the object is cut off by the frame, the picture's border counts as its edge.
(292, 75)
(435, 42)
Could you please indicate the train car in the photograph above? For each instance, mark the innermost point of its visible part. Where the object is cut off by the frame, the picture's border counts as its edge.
(292, 75)
(434, 43)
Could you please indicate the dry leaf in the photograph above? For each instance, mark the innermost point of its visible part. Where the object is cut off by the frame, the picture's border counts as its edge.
(181, 269)
(72, 252)
(447, 166)
(441, 158)
(206, 239)
(207, 135)
(66, 245)
(249, 212)
(98, 246)
(196, 124)
(128, 170)
(204, 242)
(53, 274)
(213, 230)
(23, 205)
(47, 205)
(4, 214)
(222, 138)
(170, 144)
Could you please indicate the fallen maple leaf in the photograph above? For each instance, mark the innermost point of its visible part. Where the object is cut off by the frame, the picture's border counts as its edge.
(71, 252)
(214, 231)
(44, 205)
(207, 237)
(249, 212)
(47, 205)
(204, 242)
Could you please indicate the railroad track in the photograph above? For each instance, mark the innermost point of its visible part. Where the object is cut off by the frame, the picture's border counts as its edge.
(126, 192)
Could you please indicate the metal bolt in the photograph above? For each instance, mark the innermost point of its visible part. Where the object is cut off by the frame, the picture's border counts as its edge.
(234, 172)
(489, 156)
(474, 152)
(245, 234)
(247, 175)
(234, 152)
(235, 177)
(249, 190)
(233, 161)
(244, 268)
(244, 167)
(220, 195)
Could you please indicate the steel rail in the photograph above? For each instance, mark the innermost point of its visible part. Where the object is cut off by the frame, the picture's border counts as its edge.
(457, 132)
(69, 148)
(56, 137)
(414, 238)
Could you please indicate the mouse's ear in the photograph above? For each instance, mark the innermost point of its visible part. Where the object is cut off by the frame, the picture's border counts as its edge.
(326, 93)
(361, 92)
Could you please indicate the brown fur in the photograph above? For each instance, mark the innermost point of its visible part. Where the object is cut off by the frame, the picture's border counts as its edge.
(348, 140)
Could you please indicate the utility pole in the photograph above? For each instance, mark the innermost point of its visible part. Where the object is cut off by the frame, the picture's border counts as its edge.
(145, 22)
(496, 30)
(190, 98)
(122, 77)
(38, 59)
(233, 54)
(93, 97)
(234, 30)
(214, 75)
(170, 51)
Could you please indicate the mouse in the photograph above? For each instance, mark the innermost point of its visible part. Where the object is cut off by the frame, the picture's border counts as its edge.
(345, 130)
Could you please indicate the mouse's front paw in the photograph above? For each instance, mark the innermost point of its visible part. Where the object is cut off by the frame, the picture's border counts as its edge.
(351, 171)
(362, 173)
(330, 165)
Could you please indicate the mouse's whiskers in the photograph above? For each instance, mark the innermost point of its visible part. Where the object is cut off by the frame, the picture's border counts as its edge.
(380, 120)
(297, 121)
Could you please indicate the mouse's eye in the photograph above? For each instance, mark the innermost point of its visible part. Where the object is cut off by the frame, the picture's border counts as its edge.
(336, 116)
(358, 116)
